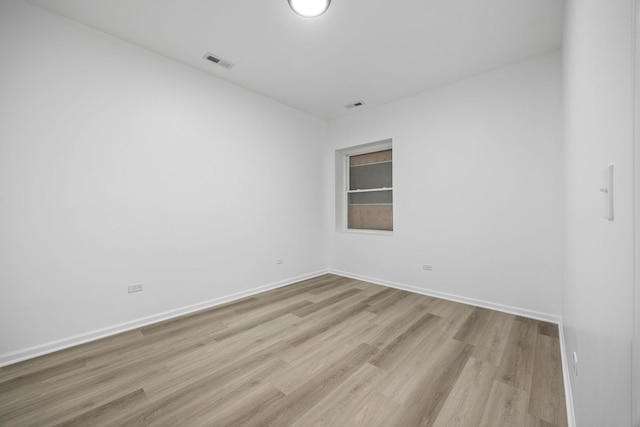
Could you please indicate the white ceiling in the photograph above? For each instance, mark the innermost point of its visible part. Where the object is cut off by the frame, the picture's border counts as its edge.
(360, 50)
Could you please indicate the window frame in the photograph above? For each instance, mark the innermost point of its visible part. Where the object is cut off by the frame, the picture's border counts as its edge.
(343, 183)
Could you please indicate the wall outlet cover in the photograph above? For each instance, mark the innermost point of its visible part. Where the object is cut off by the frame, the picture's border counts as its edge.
(135, 288)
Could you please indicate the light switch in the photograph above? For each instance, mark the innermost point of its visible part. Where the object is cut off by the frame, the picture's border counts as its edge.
(607, 191)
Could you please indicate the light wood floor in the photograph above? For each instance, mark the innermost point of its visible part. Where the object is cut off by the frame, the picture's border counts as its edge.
(328, 351)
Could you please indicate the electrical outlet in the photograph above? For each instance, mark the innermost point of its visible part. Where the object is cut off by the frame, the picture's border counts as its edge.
(279, 261)
(575, 363)
(135, 288)
(427, 267)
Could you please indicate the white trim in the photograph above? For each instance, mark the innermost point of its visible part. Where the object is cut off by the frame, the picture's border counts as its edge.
(369, 147)
(370, 232)
(50, 347)
(370, 190)
(635, 343)
(372, 163)
(568, 394)
(552, 318)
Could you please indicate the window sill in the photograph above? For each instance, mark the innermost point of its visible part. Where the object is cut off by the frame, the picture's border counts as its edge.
(370, 232)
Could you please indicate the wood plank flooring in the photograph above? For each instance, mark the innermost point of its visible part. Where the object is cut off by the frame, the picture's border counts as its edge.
(328, 351)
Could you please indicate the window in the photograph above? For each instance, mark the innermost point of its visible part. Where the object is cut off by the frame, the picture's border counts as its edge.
(364, 188)
(370, 191)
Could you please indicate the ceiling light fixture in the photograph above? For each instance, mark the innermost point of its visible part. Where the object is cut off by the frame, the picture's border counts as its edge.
(309, 8)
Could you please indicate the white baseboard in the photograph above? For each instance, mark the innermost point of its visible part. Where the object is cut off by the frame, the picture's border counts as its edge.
(552, 318)
(53, 346)
(568, 394)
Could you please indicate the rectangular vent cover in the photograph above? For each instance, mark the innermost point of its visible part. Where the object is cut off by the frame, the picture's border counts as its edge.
(354, 105)
(217, 60)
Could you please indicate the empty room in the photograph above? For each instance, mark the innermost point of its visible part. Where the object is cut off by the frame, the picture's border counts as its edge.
(320, 213)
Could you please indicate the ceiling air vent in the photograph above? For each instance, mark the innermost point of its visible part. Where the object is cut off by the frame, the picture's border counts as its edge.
(354, 105)
(217, 60)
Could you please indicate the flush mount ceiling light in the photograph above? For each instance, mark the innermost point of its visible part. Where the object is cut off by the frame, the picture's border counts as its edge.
(309, 8)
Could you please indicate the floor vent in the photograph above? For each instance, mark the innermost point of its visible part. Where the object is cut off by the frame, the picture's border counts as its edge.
(217, 60)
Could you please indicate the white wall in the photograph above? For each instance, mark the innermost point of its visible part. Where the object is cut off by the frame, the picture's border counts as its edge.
(477, 189)
(598, 254)
(118, 166)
